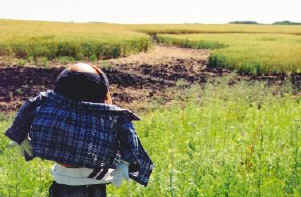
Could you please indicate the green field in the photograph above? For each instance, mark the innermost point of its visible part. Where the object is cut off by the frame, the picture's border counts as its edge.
(250, 53)
(242, 140)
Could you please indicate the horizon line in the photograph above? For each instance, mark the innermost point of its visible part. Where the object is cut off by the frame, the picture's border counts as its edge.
(87, 22)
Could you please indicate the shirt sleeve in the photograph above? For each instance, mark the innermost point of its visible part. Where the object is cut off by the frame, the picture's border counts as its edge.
(19, 130)
(132, 151)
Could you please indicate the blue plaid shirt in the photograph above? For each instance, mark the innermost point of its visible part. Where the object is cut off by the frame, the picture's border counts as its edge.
(92, 135)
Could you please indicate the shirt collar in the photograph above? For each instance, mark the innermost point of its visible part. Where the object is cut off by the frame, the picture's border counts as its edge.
(90, 106)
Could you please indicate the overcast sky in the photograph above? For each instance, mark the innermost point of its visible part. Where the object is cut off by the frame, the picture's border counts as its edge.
(152, 11)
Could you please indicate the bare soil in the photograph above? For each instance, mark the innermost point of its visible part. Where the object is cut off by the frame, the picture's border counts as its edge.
(135, 80)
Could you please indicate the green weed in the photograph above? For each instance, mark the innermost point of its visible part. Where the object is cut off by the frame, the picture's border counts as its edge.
(217, 140)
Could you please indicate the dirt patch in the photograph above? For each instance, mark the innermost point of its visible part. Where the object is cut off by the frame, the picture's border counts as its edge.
(135, 80)
(163, 55)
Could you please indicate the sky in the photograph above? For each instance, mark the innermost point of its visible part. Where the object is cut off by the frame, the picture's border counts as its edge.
(152, 11)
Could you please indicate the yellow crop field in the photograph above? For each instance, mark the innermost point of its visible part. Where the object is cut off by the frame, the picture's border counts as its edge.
(49, 39)
(251, 53)
(248, 48)
(210, 28)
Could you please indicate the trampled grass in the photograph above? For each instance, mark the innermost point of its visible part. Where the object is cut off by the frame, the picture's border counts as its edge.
(251, 53)
(232, 141)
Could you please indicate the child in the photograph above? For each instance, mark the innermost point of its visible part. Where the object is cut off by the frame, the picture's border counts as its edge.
(92, 141)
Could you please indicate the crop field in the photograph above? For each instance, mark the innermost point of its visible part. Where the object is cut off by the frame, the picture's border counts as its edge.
(26, 39)
(243, 47)
(210, 28)
(250, 53)
(235, 141)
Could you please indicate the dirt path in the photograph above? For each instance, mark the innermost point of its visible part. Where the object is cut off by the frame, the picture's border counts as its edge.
(135, 80)
(161, 55)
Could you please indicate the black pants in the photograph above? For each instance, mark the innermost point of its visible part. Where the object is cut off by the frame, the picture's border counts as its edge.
(60, 190)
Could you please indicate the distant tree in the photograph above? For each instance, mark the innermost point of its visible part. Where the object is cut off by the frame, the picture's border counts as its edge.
(96, 22)
(244, 22)
(286, 23)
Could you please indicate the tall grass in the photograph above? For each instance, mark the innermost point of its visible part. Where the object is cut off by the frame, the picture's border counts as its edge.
(187, 43)
(250, 53)
(211, 28)
(34, 39)
(47, 39)
(233, 141)
(239, 140)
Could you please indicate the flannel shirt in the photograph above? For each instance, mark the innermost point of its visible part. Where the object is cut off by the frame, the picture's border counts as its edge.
(91, 135)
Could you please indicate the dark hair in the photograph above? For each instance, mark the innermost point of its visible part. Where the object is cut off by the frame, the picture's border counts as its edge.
(83, 86)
